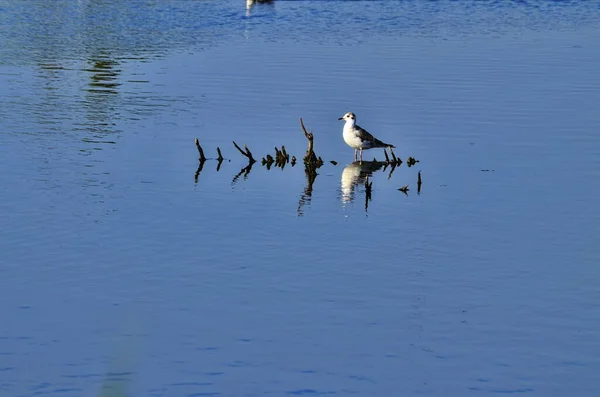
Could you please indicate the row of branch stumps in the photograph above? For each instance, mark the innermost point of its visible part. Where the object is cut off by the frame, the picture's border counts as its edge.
(311, 161)
(281, 159)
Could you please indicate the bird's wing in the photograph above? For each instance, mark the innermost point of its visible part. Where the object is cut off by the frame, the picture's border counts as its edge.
(363, 134)
(366, 136)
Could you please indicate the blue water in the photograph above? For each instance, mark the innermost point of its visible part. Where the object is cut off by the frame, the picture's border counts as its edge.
(124, 273)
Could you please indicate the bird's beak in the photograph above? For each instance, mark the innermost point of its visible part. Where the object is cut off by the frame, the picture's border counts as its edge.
(341, 118)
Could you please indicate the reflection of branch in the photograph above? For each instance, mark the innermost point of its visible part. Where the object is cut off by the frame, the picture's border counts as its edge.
(419, 183)
(404, 189)
(246, 170)
(393, 167)
(198, 171)
(368, 188)
(201, 160)
(246, 153)
(306, 197)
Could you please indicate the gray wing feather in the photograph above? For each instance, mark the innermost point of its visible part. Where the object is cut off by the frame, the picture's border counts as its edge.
(366, 136)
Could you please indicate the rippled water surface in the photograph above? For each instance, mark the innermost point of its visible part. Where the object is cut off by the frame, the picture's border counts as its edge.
(125, 269)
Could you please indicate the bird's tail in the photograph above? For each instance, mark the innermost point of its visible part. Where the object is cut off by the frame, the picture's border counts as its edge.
(378, 143)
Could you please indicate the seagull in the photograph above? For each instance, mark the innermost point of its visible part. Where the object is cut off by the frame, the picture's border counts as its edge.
(358, 138)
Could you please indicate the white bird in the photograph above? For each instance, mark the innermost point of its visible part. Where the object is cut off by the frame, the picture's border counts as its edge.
(358, 138)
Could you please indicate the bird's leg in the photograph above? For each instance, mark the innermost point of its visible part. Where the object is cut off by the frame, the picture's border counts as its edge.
(355, 154)
(361, 155)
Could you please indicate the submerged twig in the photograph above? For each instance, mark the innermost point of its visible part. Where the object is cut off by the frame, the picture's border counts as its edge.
(419, 183)
(404, 189)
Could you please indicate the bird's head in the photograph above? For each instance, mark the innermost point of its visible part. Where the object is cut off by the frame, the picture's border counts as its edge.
(348, 117)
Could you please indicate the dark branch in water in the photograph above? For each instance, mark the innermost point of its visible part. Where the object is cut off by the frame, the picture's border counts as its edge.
(285, 154)
(411, 161)
(201, 160)
(281, 157)
(200, 151)
(404, 189)
(395, 160)
(268, 161)
(311, 162)
(419, 183)
(246, 153)
(219, 159)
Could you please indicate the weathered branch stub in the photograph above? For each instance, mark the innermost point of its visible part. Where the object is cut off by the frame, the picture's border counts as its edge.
(310, 158)
(245, 152)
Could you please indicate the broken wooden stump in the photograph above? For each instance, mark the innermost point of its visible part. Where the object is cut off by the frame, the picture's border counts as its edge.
(268, 161)
(311, 162)
(219, 159)
(281, 157)
(200, 151)
(245, 152)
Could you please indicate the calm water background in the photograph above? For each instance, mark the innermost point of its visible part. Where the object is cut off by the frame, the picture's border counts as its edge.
(119, 273)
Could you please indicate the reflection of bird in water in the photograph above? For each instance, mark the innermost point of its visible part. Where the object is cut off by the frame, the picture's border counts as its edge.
(250, 4)
(354, 174)
(358, 138)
